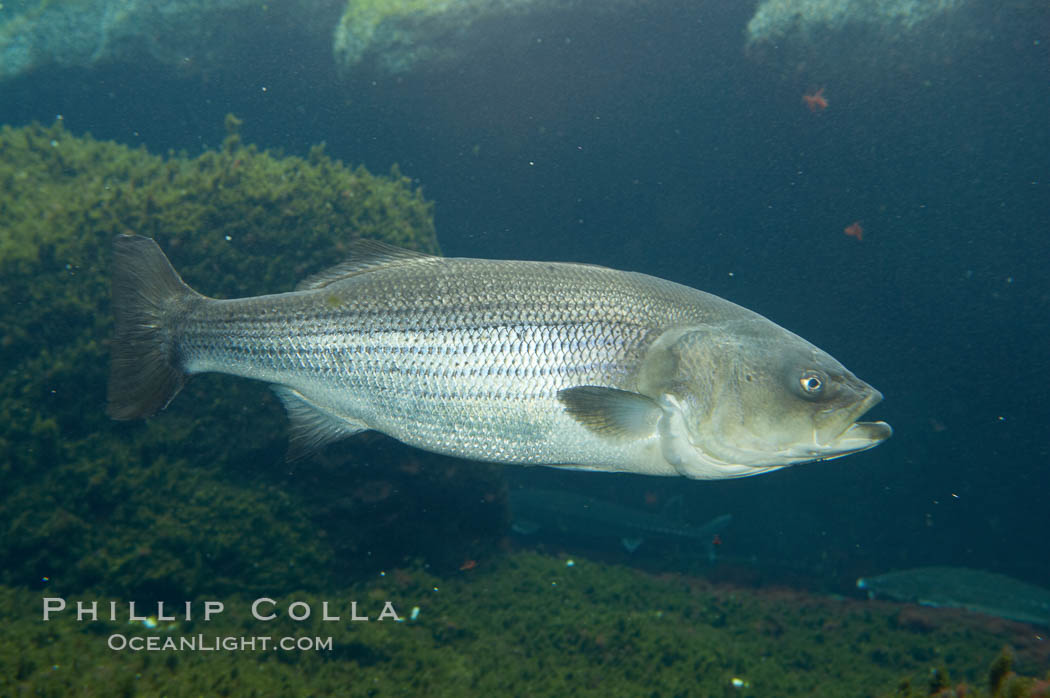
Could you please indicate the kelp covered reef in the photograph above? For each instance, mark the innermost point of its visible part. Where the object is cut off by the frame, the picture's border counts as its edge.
(524, 624)
(198, 499)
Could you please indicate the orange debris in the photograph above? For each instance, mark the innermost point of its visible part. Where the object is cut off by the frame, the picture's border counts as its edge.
(816, 101)
(854, 230)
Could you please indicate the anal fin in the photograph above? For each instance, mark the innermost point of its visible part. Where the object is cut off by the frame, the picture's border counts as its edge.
(632, 543)
(312, 425)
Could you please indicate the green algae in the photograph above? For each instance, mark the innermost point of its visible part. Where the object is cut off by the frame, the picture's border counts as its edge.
(199, 498)
(526, 624)
(399, 35)
(370, 25)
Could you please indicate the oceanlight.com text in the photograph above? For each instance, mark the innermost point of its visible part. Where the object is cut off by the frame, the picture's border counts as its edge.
(202, 643)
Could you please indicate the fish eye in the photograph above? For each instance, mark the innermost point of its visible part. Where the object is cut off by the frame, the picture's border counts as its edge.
(812, 383)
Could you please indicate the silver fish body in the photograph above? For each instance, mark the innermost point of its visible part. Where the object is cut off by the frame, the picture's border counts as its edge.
(532, 363)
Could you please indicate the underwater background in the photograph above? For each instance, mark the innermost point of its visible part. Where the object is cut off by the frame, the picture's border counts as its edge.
(672, 138)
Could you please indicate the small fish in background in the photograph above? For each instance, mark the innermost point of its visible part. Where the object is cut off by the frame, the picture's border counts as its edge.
(533, 510)
(531, 363)
(816, 101)
(854, 230)
(961, 587)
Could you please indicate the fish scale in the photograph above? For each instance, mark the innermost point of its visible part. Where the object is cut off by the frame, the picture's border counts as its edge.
(447, 362)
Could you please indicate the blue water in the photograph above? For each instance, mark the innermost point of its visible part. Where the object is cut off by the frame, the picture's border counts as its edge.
(652, 141)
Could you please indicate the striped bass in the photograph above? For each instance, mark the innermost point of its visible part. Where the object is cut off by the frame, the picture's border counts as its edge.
(533, 363)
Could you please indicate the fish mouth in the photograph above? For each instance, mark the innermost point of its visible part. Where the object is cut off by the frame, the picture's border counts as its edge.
(857, 436)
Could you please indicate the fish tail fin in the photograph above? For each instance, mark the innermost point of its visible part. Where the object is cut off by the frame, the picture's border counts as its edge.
(144, 373)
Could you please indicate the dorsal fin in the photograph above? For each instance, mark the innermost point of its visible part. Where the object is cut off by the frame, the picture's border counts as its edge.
(672, 510)
(365, 256)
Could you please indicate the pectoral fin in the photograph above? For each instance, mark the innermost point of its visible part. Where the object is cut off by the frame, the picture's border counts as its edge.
(611, 412)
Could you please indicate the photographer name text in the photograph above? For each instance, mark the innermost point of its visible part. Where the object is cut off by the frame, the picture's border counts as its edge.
(262, 609)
